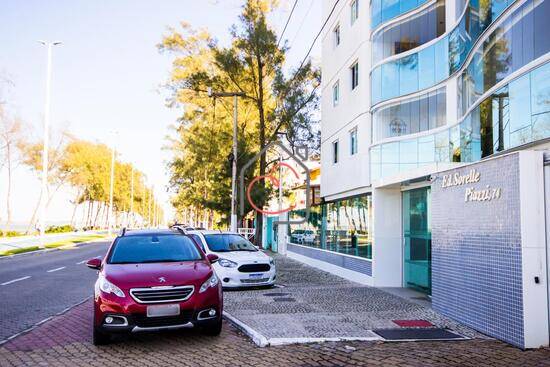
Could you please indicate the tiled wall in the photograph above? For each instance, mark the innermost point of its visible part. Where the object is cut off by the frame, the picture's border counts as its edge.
(476, 252)
(359, 265)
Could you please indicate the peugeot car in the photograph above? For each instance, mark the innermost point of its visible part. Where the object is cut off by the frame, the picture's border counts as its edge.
(240, 263)
(154, 280)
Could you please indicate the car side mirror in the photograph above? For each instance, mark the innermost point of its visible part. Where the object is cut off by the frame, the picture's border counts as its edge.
(94, 263)
(212, 258)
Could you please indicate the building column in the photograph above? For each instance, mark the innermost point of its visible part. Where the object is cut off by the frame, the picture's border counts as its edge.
(387, 253)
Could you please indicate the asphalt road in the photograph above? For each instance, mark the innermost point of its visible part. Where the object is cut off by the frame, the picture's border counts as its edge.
(38, 285)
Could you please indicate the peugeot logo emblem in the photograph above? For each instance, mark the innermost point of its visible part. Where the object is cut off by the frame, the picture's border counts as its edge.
(162, 280)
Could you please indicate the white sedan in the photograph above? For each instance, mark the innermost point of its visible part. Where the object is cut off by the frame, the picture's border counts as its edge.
(240, 263)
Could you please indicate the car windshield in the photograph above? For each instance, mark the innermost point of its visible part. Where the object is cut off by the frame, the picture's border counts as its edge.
(154, 249)
(228, 242)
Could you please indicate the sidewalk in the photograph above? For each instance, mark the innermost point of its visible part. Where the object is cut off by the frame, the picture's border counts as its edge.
(312, 305)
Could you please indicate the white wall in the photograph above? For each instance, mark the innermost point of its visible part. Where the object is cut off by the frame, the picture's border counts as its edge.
(387, 249)
(533, 243)
(352, 110)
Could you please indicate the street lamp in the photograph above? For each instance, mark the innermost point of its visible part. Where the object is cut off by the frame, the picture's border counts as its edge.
(234, 163)
(44, 189)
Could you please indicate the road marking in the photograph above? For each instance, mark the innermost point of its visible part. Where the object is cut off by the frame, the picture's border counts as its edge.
(15, 280)
(81, 262)
(56, 269)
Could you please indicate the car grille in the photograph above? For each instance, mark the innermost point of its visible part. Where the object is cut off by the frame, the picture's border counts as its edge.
(164, 294)
(254, 268)
(254, 281)
(142, 320)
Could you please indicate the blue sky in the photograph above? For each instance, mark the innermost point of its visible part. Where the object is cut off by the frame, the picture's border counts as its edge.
(107, 74)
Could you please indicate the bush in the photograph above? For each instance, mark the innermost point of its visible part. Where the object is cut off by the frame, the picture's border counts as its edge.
(11, 234)
(60, 229)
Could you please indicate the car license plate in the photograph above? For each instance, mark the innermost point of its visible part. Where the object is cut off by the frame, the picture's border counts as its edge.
(163, 310)
(255, 275)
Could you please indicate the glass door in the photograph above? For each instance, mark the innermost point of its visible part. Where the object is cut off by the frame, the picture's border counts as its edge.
(417, 236)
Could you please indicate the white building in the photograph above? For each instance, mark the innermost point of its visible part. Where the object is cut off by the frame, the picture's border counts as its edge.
(425, 104)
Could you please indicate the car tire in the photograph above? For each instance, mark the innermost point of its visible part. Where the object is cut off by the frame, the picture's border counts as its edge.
(213, 329)
(100, 338)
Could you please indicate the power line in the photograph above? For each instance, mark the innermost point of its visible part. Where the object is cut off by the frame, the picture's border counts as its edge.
(302, 22)
(287, 21)
(317, 36)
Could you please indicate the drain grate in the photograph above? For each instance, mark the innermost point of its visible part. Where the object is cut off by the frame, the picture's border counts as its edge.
(417, 334)
(284, 299)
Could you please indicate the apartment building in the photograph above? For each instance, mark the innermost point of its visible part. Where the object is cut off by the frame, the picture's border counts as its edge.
(435, 132)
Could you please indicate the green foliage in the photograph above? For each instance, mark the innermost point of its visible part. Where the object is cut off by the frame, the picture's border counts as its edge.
(60, 229)
(10, 234)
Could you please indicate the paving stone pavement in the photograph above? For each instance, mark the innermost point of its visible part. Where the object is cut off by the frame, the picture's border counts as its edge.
(65, 341)
(315, 304)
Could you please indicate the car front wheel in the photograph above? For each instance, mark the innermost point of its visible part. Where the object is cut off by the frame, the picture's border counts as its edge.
(214, 329)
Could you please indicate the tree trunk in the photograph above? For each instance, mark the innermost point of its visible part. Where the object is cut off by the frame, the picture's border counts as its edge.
(8, 196)
(33, 217)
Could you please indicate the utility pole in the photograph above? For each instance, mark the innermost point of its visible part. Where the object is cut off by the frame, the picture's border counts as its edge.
(149, 211)
(111, 188)
(45, 151)
(235, 96)
(131, 221)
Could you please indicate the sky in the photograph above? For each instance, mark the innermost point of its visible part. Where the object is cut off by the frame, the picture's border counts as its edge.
(108, 75)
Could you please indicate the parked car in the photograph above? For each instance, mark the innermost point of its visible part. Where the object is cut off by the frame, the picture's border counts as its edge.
(303, 236)
(240, 263)
(155, 280)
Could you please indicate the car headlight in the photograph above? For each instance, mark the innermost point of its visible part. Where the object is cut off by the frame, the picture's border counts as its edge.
(108, 287)
(271, 261)
(227, 263)
(211, 282)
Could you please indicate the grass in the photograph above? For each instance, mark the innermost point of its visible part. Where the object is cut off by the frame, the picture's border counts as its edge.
(52, 245)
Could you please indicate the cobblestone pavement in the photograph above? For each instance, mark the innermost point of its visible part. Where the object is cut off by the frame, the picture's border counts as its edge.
(315, 304)
(65, 341)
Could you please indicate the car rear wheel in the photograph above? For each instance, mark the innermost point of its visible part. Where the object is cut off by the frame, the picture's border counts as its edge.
(213, 329)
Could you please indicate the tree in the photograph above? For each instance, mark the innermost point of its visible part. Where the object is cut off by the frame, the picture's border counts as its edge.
(253, 65)
(11, 134)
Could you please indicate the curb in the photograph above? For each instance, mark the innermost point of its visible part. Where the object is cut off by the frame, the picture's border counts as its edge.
(2, 342)
(261, 341)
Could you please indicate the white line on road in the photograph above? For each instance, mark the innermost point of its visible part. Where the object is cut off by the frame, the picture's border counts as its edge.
(56, 269)
(15, 280)
(81, 262)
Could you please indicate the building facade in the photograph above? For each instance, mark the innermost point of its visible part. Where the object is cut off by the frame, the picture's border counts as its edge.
(435, 123)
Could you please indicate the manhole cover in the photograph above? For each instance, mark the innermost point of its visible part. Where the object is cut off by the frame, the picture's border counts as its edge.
(276, 294)
(284, 299)
(417, 334)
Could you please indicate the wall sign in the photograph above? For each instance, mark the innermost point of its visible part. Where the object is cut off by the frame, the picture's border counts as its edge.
(487, 193)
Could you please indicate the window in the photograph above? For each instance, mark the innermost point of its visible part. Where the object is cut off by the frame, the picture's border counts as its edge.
(354, 10)
(354, 75)
(228, 242)
(335, 152)
(336, 33)
(153, 249)
(353, 141)
(335, 93)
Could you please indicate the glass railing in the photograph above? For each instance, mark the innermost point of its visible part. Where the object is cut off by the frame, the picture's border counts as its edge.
(516, 114)
(434, 63)
(384, 10)
(409, 33)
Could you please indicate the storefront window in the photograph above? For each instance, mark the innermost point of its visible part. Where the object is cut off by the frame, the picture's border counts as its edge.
(343, 226)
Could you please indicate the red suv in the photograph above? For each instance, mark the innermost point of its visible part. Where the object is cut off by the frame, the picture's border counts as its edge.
(154, 280)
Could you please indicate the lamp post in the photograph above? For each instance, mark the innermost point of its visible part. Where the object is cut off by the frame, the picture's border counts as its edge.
(45, 151)
(235, 96)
